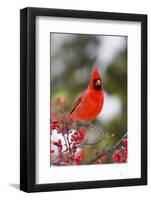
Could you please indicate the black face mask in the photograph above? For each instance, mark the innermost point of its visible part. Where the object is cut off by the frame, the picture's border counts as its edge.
(97, 87)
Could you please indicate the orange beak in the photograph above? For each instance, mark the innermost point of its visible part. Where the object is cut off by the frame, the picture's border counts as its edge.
(98, 83)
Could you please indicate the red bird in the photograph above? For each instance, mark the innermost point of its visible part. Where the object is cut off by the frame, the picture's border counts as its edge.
(90, 104)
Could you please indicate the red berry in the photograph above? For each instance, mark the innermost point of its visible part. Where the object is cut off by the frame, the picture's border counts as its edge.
(55, 143)
(75, 133)
(124, 142)
(52, 150)
(117, 157)
(59, 142)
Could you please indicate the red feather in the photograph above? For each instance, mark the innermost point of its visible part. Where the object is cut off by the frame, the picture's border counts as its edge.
(90, 104)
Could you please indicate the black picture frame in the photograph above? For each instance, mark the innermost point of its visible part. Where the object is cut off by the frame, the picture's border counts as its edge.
(28, 98)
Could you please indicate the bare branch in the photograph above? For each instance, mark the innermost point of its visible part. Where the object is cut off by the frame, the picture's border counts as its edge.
(106, 151)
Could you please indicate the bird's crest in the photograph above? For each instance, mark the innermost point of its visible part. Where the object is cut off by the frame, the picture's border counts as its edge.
(95, 74)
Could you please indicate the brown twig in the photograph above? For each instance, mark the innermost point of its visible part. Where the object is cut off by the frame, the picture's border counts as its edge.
(67, 130)
(108, 150)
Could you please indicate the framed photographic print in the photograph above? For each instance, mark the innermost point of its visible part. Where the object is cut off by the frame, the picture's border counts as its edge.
(83, 99)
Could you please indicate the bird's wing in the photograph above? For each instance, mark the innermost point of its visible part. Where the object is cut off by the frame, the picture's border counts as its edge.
(77, 103)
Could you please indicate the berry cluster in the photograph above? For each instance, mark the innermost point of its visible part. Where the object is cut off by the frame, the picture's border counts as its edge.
(72, 153)
(121, 154)
(54, 125)
(58, 144)
(78, 136)
(68, 146)
(79, 158)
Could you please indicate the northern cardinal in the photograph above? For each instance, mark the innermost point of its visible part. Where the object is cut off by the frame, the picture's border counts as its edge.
(90, 104)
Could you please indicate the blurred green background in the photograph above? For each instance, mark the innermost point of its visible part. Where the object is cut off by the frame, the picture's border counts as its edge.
(72, 58)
